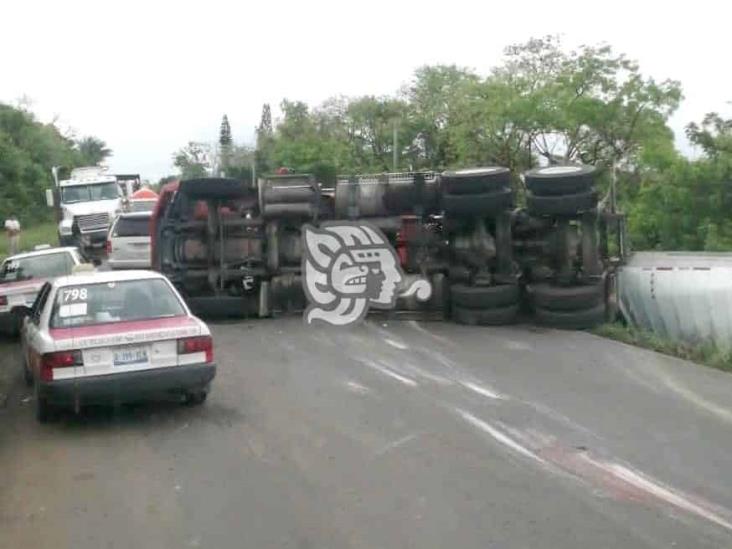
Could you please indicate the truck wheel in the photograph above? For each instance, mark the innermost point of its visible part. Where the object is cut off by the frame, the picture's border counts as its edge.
(27, 374)
(67, 240)
(42, 407)
(486, 317)
(483, 297)
(560, 180)
(572, 320)
(484, 204)
(566, 298)
(476, 180)
(569, 204)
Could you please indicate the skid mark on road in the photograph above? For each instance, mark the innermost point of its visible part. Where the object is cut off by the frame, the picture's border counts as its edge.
(483, 390)
(622, 482)
(389, 372)
(498, 435)
(397, 344)
(356, 387)
(421, 329)
(722, 413)
(396, 444)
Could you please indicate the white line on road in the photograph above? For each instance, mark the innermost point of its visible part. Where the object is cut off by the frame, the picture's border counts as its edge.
(498, 435)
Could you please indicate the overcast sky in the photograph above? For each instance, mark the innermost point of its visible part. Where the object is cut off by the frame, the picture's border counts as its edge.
(149, 76)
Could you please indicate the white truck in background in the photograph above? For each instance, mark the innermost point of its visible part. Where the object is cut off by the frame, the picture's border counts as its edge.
(86, 204)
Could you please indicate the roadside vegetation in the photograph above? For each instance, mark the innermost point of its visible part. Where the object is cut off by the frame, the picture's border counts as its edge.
(28, 150)
(707, 354)
(44, 233)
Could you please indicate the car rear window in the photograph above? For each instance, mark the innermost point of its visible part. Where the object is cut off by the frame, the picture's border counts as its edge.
(132, 226)
(40, 266)
(119, 301)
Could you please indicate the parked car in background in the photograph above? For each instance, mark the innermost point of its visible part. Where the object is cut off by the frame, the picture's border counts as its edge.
(22, 275)
(109, 337)
(128, 243)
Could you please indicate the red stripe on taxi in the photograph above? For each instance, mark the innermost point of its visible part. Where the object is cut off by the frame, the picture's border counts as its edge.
(21, 285)
(122, 327)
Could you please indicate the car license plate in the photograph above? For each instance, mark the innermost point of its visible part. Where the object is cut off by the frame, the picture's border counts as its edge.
(124, 357)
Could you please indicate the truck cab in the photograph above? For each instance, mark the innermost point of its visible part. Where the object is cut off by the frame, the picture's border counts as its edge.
(87, 203)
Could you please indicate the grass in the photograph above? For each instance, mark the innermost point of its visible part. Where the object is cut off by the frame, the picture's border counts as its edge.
(45, 233)
(706, 354)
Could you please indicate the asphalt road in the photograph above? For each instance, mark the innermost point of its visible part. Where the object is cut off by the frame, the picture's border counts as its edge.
(397, 434)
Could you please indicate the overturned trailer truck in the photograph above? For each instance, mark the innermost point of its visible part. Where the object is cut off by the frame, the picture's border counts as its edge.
(233, 248)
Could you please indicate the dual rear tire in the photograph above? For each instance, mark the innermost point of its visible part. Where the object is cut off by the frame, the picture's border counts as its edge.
(484, 305)
(577, 307)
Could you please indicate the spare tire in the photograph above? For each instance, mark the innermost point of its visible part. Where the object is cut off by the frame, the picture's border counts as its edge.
(483, 297)
(476, 180)
(484, 204)
(569, 204)
(559, 180)
(486, 317)
(566, 298)
(572, 320)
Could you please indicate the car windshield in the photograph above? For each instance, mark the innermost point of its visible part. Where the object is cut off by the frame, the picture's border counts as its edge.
(87, 193)
(116, 301)
(132, 226)
(40, 266)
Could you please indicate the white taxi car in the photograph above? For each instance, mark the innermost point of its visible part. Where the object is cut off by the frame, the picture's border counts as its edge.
(109, 337)
(22, 275)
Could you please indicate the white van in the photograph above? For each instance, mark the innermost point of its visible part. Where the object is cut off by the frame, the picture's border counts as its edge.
(128, 243)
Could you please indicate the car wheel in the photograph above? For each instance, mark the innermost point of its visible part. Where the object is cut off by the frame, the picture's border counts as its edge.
(27, 374)
(569, 204)
(196, 398)
(42, 407)
(476, 180)
(566, 298)
(560, 180)
(484, 204)
(486, 317)
(483, 297)
(572, 320)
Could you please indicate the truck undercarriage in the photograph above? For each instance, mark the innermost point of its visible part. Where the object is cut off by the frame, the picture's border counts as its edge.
(235, 249)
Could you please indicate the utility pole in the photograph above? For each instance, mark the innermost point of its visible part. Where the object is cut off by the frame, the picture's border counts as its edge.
(395, 158)
(254, 159)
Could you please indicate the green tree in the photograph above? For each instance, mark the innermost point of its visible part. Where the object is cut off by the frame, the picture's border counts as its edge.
(265, 136)
(93, 150)
(225, 144)
(432, 97)
(28, 150)
(193, 160)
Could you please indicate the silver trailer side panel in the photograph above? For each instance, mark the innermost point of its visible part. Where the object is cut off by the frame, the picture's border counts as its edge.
(679, 295)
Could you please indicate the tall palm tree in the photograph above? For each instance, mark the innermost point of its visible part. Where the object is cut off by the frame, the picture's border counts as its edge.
(93, 150)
